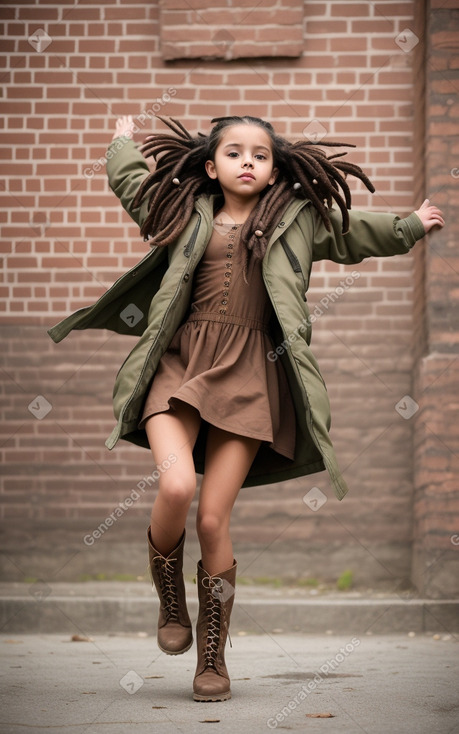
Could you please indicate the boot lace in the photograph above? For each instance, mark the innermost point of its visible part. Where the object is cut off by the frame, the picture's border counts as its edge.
(166, 568)
(216, 616)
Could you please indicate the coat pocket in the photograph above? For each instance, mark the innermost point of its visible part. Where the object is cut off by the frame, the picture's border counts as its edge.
(187, 250)
(295, 263)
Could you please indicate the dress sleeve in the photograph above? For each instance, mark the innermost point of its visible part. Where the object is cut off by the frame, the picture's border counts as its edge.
(126, 169)
(371, 234)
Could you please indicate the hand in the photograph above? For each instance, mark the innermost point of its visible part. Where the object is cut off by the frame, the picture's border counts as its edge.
(430, 216)
(124, 126)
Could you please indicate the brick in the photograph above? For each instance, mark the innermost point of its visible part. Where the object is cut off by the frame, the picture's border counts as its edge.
(348, 10)
(326, 26)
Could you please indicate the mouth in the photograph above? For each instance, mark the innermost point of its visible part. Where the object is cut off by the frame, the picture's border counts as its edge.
(247, 176)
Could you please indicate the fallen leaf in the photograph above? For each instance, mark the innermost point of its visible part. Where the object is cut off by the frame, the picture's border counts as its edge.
(159, 707)
(209, 721)
(13, 642)
(81, 638)
(88, 693)
(321, 716)
(147, 677)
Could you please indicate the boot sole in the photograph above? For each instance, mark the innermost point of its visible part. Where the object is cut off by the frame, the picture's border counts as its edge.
(175, 652)
(217, 697)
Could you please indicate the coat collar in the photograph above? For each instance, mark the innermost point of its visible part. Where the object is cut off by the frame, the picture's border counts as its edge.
(205, 206)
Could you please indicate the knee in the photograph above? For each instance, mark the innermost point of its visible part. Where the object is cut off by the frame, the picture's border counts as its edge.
(178, 491)
(209, 526)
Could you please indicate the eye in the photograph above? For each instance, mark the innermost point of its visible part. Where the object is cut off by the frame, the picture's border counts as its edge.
(233, 154)
(260, 156)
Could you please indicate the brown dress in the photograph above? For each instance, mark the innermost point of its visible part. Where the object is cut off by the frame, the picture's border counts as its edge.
(217, 360)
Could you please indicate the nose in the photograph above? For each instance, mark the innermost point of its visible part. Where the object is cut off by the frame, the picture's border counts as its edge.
(247, 160)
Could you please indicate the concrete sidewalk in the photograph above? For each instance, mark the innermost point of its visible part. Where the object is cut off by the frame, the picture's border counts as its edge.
(124, 684)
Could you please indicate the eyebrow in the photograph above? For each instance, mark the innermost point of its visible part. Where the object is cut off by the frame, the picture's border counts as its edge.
(239, 145)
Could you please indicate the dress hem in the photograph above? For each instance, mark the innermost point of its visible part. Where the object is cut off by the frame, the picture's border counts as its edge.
(212, 422)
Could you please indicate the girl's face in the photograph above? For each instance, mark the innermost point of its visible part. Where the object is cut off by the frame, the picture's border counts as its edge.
(243, 163)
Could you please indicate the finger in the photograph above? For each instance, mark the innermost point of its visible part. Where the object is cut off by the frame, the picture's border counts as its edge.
(434, 212)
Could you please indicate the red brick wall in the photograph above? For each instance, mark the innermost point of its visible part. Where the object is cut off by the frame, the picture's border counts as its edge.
(436, 503)
(65, 239)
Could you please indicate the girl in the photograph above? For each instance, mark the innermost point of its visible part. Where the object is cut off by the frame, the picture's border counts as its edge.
(222, 380)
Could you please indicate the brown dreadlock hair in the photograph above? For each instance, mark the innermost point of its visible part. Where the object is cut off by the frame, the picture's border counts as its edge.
(305, 172)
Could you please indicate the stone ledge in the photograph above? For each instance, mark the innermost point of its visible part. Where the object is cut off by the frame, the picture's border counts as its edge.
(96, 608)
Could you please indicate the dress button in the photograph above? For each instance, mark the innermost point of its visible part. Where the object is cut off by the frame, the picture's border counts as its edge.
(222, 310)
(224, 302)
(230, 246)
(225, 293)
(228, 254)
(226, 283)
(227, 275)
(186, 277)
(235, 227)
(281, 224)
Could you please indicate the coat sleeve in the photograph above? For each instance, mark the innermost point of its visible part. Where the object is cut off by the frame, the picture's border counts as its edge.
(126, 169)
(371, 234)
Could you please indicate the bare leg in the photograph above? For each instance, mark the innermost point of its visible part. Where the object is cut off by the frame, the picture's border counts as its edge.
(228, 460)
(173, 433)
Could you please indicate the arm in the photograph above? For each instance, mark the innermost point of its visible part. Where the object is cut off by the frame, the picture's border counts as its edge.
(370, 234)
(126, 169)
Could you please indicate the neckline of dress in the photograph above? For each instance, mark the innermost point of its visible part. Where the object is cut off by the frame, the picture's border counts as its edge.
(224, 224)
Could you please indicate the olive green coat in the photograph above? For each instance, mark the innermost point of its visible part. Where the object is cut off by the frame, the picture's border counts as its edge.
(152, 300)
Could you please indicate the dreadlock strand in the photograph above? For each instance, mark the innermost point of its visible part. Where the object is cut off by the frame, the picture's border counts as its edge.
(327, 188)
(175, 125)
(311, 190)
(143, 188)
(163, 220)
(323, 144)
(157, 148)
(171, 219)
(356, 171)
(159, 138)
(264, 218)
(256, 244)
(183, 214)
(315, 170)
(184, 161)
(344, 210)
(157, 212)
(336, 178)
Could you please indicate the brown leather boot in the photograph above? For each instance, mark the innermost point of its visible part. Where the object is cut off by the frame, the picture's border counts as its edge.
(175, 634)
(216, 596)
